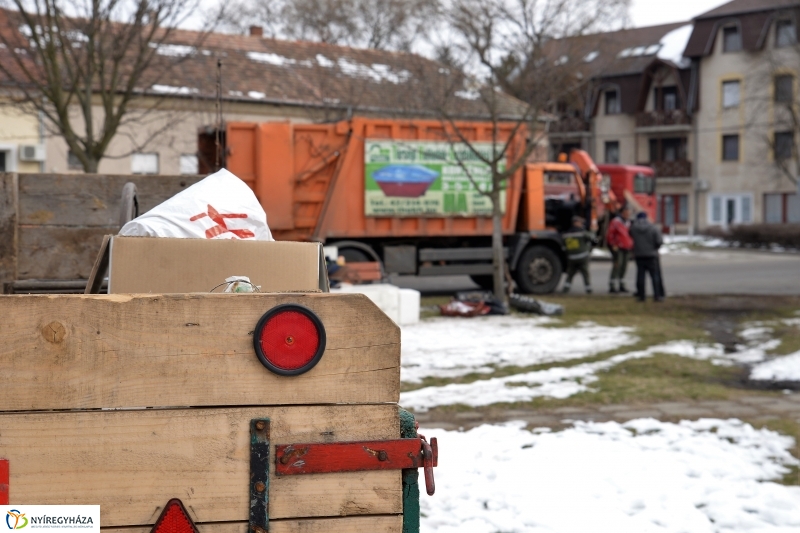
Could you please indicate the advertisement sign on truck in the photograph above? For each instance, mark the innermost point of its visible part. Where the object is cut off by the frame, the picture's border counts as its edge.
(413, 178)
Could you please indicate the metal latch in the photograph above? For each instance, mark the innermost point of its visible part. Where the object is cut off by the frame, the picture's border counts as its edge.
(321, 458)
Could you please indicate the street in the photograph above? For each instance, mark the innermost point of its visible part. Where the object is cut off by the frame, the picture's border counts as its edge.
(711, 271)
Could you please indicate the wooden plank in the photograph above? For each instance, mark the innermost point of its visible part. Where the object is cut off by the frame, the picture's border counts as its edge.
(90, 199)
(59, 252)
(347, 524)
(100, 268)
(132, 462)
(94, 351)
(8, 227)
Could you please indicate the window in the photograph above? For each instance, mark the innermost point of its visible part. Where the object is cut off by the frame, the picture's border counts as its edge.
(2, 161)
(564, 148)
(784, 88)
(666, 98)
(784, 145)
(730, 209)
(144, 164)
(673, 209)
(781, 208)
(612, 103)
(731, 39)
(643, 184)
(785, 33)
(559, 178)
(73, 163)
(188, 164)
(612, 151)
(730, 147)
(730, 94)
(671, 149)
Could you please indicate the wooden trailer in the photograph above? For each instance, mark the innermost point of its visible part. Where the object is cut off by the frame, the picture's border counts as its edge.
(133, 401)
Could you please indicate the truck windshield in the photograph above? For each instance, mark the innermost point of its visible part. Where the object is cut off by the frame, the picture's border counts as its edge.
(559, 178)
(643, 184)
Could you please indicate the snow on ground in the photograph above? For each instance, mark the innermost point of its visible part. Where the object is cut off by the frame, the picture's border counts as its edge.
(786, 368)
(446, 347)
(639, 477)
(557, 382)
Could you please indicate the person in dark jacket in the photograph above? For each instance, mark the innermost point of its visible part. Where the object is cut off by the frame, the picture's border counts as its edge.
(646, 242)
(578, 242)
(620, 243)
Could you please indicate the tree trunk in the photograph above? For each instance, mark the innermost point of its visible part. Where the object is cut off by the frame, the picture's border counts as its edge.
(91, 166)
(498, 261)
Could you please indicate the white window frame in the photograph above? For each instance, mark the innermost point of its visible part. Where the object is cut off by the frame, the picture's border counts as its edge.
(145, 172)
(181, 164)
(739, 199)
(738, 95)
(11, 156)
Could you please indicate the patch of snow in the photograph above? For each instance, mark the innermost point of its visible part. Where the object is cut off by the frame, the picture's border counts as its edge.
(563, 60)
(256, 95)
(470, 94)
(638, 51)
(625, 53)
(684, 244)
(324, 61)
(169, 89)
(674, 43)
(174, 50)
(270, 59)
(236, 93)
(376, 72)
(642, 476)
(447, 347)
(786, 368)
(591, 56)
(652, 49)
(206, 52)
(557, 382)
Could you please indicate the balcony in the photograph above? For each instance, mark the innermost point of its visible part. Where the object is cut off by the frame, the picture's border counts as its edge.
(569, 125)
(671, 169)
(656, 119)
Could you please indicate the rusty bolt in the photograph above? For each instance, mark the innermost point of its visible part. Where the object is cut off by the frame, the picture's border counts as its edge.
(260, 486)
(260, 425)
(382, 456)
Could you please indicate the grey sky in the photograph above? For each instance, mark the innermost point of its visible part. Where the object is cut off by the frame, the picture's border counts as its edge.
(652, 12)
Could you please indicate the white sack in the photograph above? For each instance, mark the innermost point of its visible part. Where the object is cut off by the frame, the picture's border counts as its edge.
(220, 206)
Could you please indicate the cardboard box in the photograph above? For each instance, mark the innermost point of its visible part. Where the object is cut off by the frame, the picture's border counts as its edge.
(163, 265)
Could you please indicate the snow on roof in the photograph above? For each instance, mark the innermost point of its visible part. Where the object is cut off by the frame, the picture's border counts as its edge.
(591, 56)
(674, 43)
(169, 89)
(173, 50)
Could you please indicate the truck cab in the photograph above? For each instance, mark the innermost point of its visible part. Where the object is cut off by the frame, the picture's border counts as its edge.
(633, 184)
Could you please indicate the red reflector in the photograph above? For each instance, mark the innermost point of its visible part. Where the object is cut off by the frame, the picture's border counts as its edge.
(4, 481)
(174, 519)
(289, 339)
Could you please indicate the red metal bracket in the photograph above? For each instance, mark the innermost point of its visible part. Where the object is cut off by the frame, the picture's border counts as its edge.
(4, 475)
(320, 458)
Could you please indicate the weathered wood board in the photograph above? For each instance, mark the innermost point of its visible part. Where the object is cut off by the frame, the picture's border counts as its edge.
(89, 199)
(348, 524)
(8, 227)
(111, 351)
(131, 462)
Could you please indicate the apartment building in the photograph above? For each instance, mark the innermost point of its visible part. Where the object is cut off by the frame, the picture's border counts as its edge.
(710, 105)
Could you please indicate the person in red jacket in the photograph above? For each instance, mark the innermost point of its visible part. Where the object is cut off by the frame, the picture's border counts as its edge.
(620, 243)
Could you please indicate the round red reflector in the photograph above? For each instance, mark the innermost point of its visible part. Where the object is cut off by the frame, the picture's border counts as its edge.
(289, 339)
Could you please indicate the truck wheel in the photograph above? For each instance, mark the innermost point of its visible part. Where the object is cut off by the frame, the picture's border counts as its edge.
(538, 271)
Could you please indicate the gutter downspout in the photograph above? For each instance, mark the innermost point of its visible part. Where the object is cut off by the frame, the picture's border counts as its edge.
(693, 93)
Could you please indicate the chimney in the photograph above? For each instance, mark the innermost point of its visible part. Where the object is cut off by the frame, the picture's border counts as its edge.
(256, 31)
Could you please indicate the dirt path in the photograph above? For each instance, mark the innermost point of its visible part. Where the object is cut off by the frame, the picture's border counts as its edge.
(758, 409)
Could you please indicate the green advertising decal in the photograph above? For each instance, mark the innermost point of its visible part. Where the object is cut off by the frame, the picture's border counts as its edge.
(419, 178)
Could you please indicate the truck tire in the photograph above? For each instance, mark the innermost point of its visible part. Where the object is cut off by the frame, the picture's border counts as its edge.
(538, 271)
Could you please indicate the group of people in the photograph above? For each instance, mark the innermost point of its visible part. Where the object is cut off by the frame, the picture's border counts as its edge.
(624, 237)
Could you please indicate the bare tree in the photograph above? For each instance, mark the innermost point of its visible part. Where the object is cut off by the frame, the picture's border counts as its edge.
(503, 44)
(378, 24)
(82, 64)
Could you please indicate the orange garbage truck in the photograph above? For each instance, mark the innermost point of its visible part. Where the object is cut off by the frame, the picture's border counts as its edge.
(397, 192)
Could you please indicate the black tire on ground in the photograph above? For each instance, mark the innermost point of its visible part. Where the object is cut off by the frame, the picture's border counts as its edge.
(354, 255)
(538, 271)
(484, 281)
